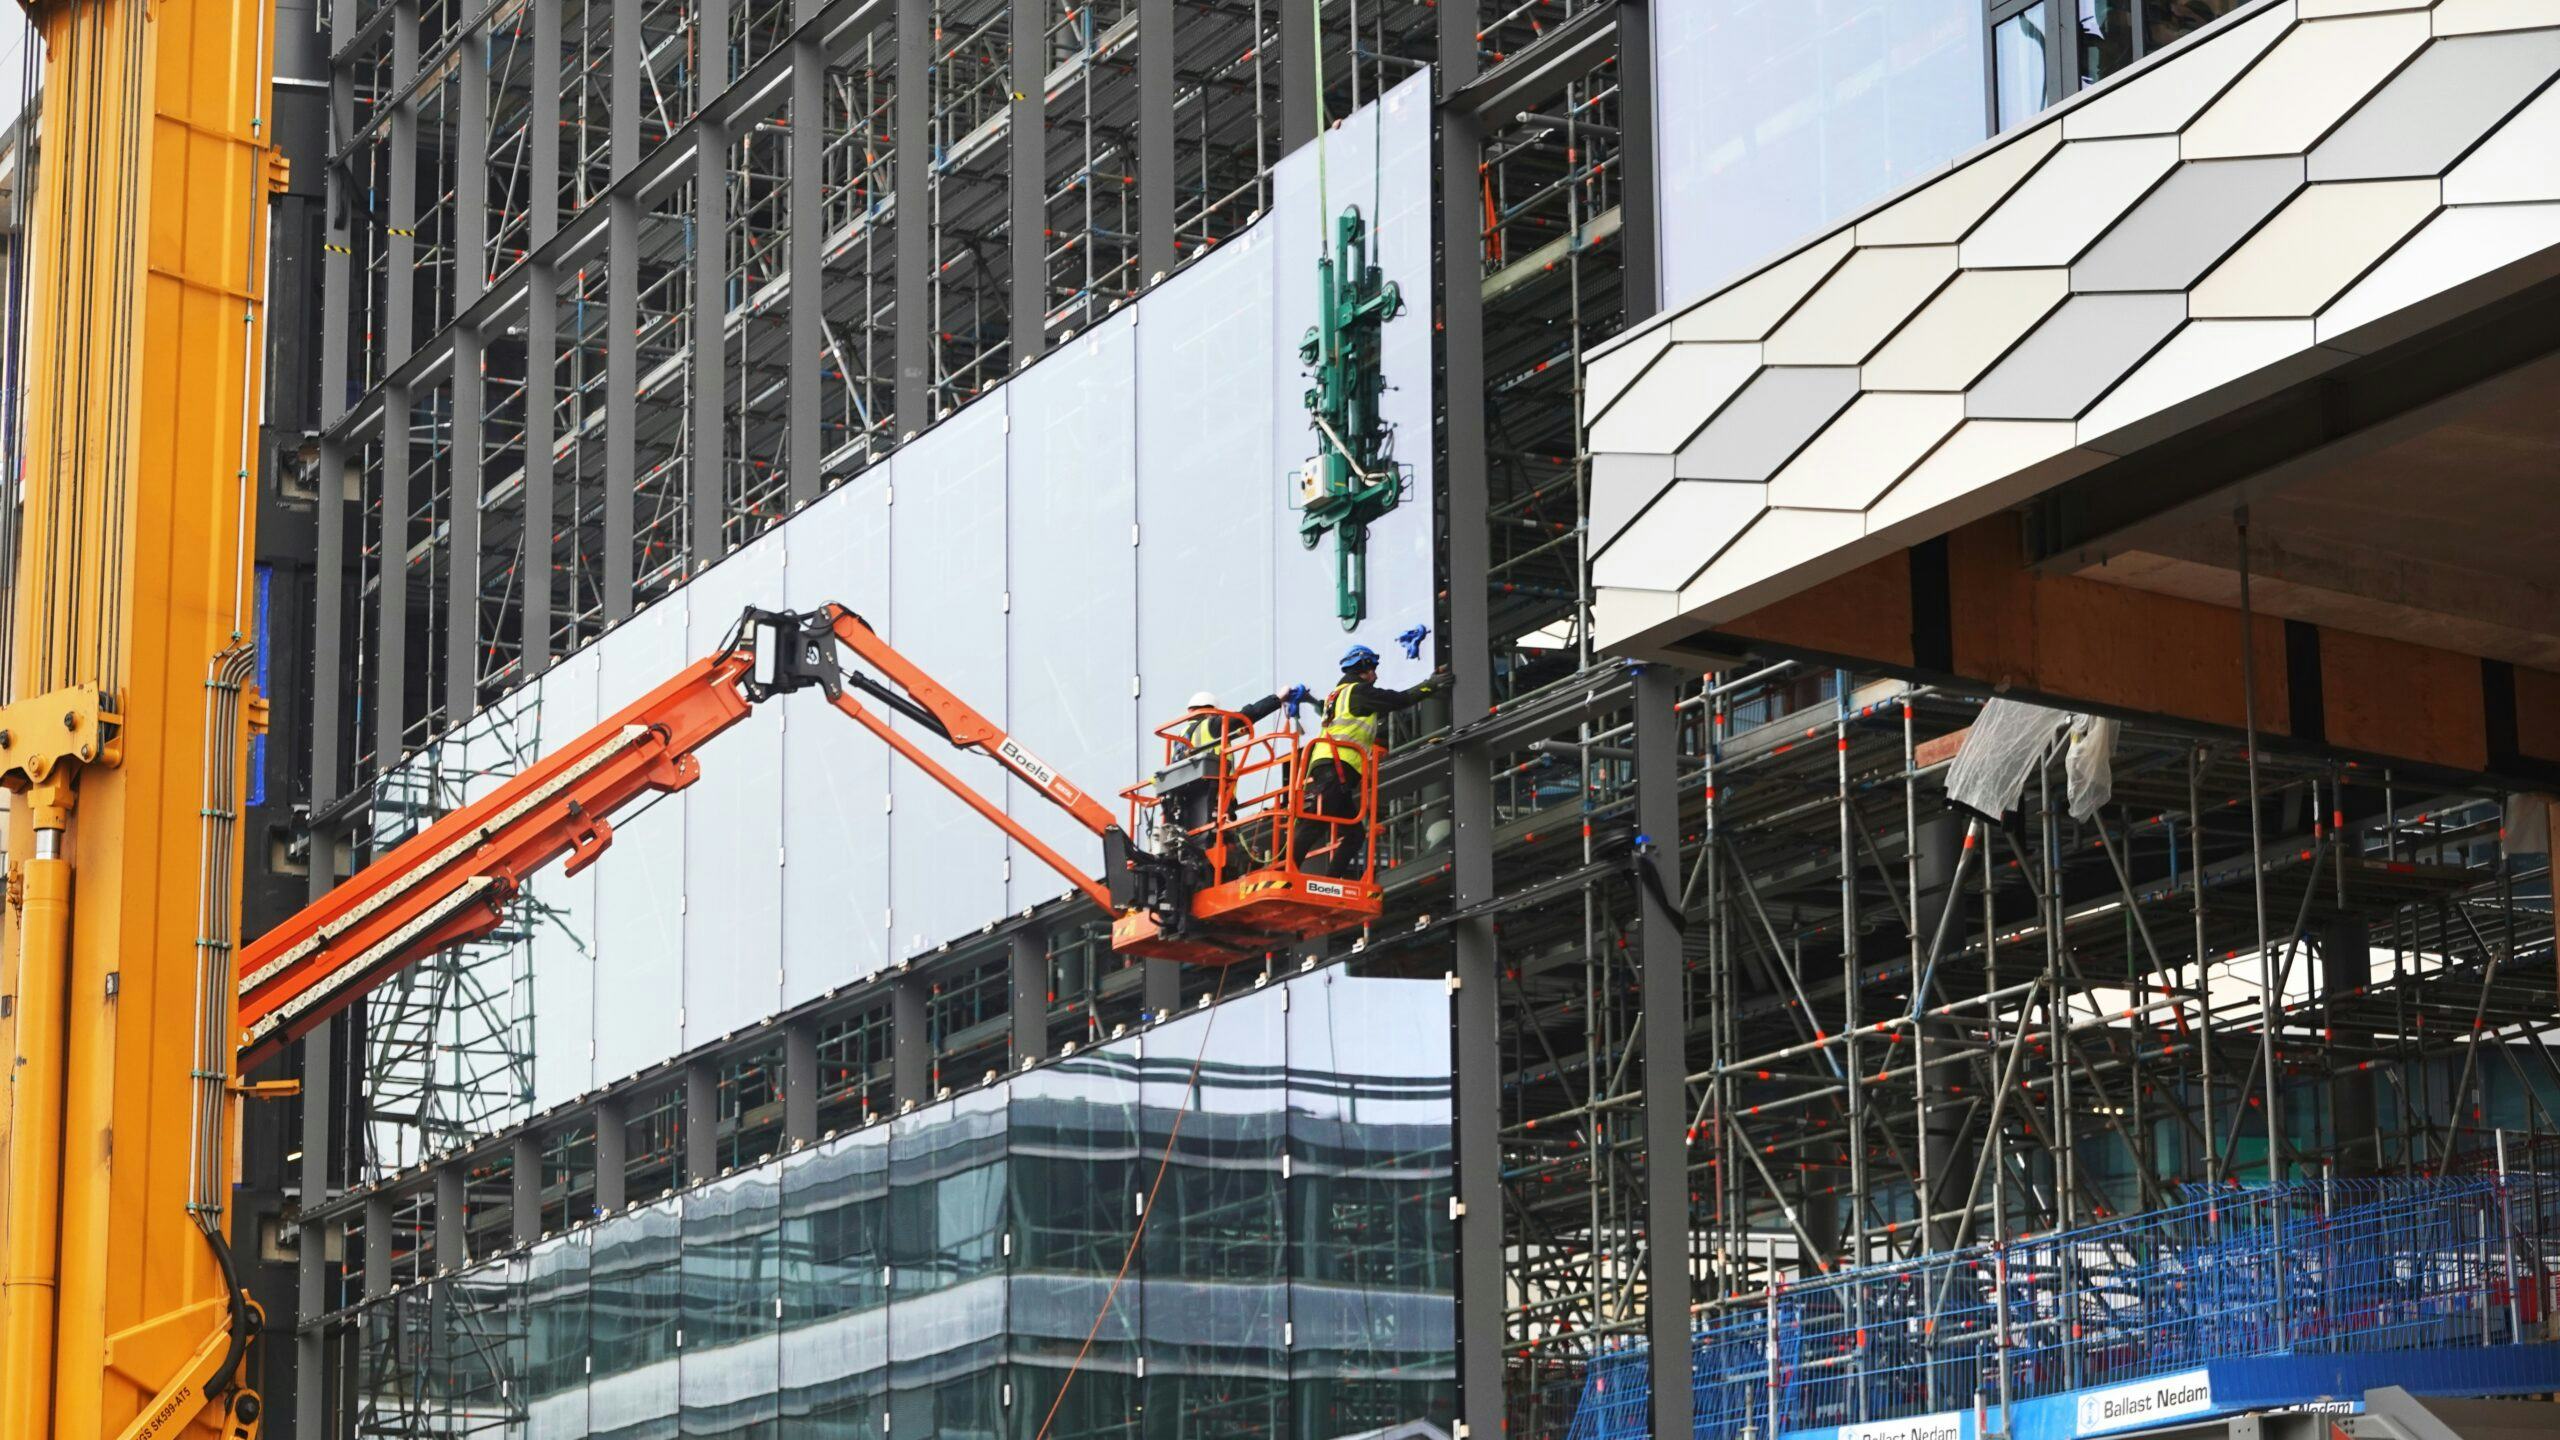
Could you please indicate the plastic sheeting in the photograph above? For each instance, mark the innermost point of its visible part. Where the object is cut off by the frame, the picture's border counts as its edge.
(2011, 738)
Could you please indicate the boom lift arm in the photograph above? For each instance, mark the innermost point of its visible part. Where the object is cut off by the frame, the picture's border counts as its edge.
(449, 884)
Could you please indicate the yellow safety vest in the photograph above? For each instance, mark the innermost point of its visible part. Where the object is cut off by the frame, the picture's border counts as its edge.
(1204, 732)
(1357, 734)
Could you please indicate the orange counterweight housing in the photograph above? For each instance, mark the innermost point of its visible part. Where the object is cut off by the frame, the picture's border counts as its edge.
(1267, 867)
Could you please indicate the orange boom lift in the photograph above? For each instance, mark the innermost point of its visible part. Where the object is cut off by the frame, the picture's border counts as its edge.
(1227, 889)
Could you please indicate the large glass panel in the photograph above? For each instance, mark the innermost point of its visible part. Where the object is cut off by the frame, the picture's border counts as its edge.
(835, 812)
(1379, 161)
(730, 1373)
(1372, 1243)
(1205, 389)
(2018, 64)
(835, 1288)
(1216, 1298)
(1070, 499)
(948, 602)
(1778, 119)
(557, 1339)
(640, 881)
(636, 1308)
(1077, 1172)
(947, 1242)
(559, 913)
(733, 820)
(480, 1344)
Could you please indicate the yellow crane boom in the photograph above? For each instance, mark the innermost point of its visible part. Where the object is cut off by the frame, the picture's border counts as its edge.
(122, 729)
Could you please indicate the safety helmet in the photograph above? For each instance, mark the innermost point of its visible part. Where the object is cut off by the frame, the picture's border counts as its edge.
(1358, 657)
(1205, 700)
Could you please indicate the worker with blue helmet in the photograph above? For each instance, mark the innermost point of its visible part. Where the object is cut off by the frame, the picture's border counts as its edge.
(1354, 728)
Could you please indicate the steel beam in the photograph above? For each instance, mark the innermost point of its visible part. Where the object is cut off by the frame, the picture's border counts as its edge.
(1569, 50)
(471, 175)
(453, 1211)
(400, 212)
(1639, 150)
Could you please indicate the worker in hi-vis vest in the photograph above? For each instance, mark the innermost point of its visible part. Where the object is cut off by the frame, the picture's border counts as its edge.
(1191, 791)
(1354, 728)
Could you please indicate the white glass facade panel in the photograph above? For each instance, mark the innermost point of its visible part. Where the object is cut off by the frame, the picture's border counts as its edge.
(560, 913)
(947, 602)
(1777, 117)
(733, 820)
(1206, 361)
(835, 777)
(1387, 174)
(1146, 467)
(640, 881)
(1071, 500)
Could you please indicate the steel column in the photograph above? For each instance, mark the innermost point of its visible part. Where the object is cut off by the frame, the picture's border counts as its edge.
(803, 448)
(914, 191)
(524, 1190)
(453, 1209)
(1476, 1042)
(621, 383)
(799, 1084)
(471, 173)
(701, 1121)
(1029, 953)
(1666, 1067)
(400, 214)
(709, 328)
(1157, 251)
(1298, 69)
(1029, 207)
(541, 523)
(1640, 235)
(910, 1043)
(613, 1156)
(391, 639)
(462, 531)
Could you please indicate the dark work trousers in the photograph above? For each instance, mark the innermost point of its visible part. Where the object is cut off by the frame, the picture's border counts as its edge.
(1333, 789)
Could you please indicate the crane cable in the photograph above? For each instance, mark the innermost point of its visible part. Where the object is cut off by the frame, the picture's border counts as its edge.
(1146, 1211)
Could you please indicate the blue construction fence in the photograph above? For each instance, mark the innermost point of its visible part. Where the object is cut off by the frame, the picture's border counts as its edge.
(2311, 1268)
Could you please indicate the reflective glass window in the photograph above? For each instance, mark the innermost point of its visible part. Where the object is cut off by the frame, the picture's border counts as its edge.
(1373, 1246)
(835, 1288)
(835, 813)
(635, 1306)
(557, 1339)
(2165, 22)
(2105, 38)
(1216, 1298)
(730, 1374)
(1076, 1168)
(2018, 66)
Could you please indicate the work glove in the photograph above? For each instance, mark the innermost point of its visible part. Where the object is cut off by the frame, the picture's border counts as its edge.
(1295, 696)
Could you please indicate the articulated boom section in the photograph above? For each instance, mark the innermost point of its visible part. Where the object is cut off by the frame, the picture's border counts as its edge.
(1202, 902)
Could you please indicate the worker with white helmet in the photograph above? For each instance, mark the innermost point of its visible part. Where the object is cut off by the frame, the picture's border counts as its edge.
(1191, 792)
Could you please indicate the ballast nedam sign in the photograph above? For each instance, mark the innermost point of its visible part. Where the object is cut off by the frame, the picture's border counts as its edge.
(2147, 1402)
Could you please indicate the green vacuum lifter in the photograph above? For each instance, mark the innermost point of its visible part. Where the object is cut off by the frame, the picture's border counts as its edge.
(1353, 477)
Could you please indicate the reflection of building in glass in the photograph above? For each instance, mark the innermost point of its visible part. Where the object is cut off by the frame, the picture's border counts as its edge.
(942, 1273)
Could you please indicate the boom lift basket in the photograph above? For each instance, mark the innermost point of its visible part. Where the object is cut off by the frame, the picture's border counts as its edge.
(1265, 868)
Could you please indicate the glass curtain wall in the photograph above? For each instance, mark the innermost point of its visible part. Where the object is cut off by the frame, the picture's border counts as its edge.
(1233, 1224)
